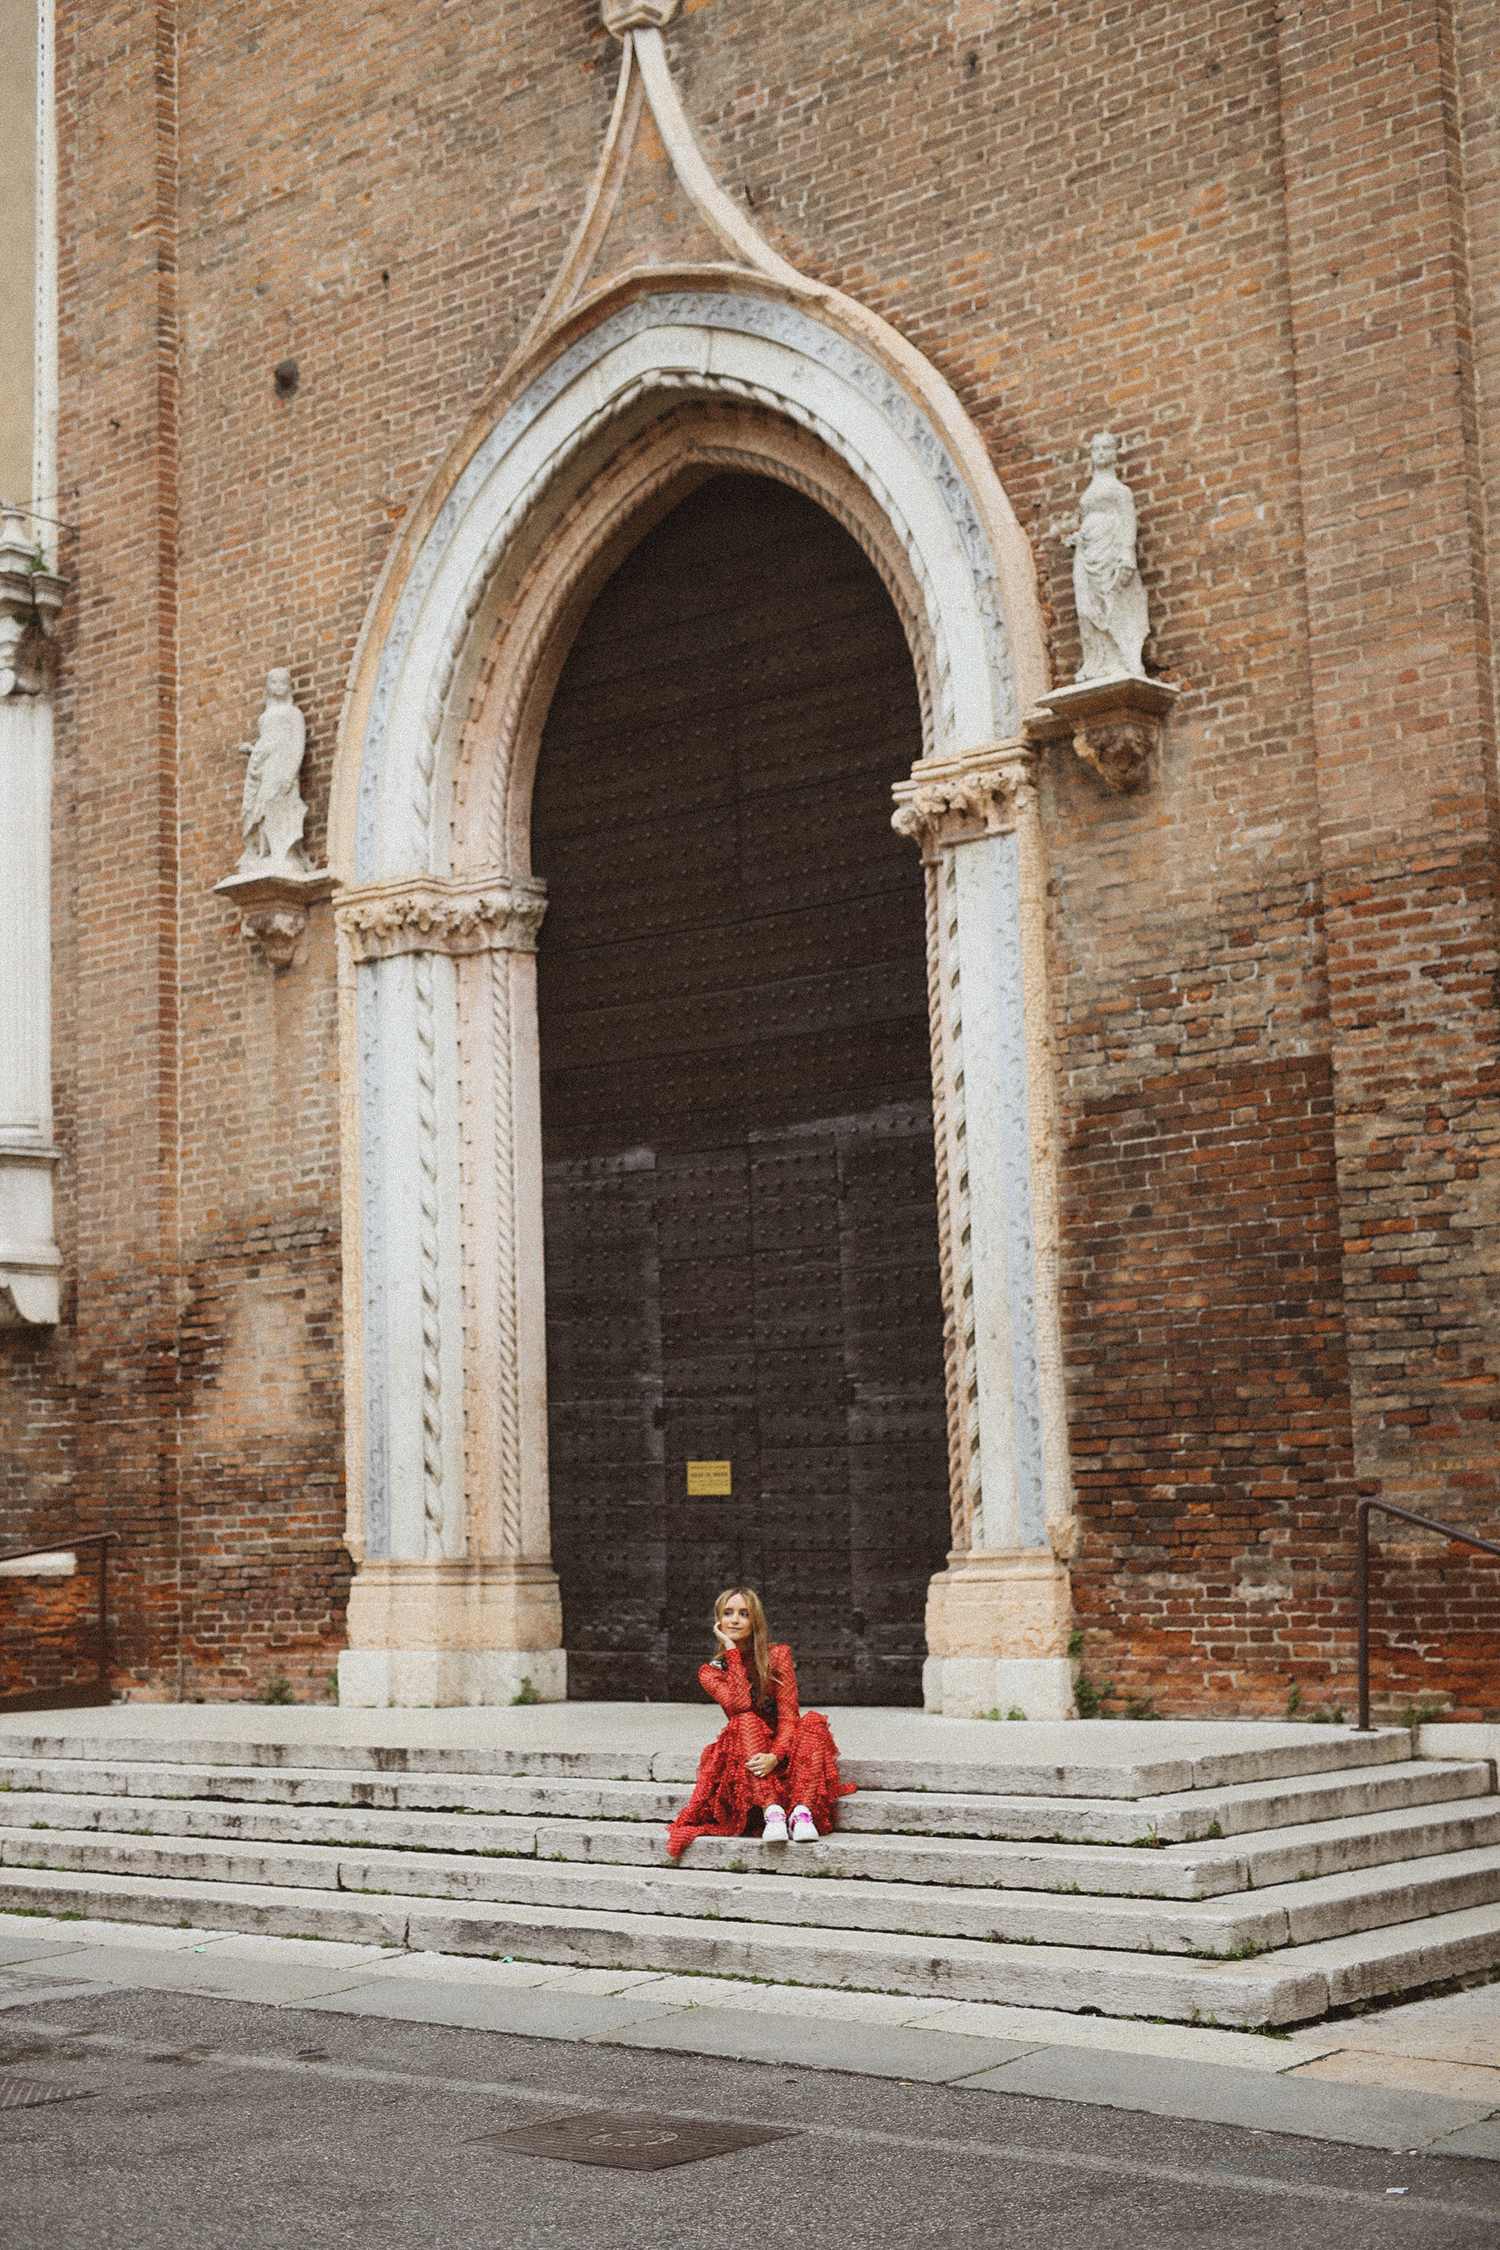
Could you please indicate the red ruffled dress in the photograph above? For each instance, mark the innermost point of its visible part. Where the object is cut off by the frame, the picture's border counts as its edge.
(727, 1798)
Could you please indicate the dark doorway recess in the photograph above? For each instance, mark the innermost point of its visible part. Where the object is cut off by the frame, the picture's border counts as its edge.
(741, 1223)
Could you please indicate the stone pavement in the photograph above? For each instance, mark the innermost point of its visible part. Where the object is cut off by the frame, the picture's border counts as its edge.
(1423, 2077)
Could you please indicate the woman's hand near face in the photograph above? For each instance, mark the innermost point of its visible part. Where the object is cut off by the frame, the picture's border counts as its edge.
(764, 1762)
(723, 1639)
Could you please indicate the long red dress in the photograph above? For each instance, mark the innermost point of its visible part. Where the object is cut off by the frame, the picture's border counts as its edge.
(727, 1798)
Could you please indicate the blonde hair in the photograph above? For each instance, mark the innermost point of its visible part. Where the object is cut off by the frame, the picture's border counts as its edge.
(763, 1681)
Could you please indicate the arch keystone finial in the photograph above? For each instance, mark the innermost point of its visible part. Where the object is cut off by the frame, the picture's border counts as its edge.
(623, 16)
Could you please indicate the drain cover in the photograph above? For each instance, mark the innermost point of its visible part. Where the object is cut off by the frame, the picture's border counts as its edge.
(638, 2142)
(33, 2093)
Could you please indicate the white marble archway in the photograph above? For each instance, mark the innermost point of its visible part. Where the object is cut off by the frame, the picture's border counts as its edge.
(612, 412)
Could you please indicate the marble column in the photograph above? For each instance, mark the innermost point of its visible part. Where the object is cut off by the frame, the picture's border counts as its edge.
(999, 1615)
(455, 1599)
(30, 1264)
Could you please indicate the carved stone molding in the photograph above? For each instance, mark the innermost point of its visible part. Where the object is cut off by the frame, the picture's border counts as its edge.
(273, 909)
(30, 1261)
(442, 914)
(1115, 725)
(622, 16)
(29, 600)
(976, 793)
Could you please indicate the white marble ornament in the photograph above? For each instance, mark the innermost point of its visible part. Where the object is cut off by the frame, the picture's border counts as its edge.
(1112, 617)
(621, 16)
(272, 814)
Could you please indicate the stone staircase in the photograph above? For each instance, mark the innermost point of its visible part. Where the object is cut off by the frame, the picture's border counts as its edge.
(1256, 1886)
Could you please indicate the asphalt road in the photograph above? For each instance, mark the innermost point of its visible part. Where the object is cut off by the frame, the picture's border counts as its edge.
(216, 2125)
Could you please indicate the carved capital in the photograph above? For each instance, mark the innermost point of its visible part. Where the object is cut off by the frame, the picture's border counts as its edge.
(30, 599)
(1114, 724)
(273, 909)
(622, 16)
(442, 914)
(975, 793)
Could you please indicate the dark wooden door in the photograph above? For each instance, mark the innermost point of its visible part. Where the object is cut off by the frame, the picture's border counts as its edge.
(741, 1226)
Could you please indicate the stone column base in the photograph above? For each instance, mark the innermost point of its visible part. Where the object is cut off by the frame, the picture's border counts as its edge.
(423, 1678)
(469, 1631)
(997, 1636)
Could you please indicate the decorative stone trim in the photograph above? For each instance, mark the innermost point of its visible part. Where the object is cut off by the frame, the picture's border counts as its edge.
(30, 1261)
(976, 793)
(273, 909)
(29, 601)
(623, 16)
(623, 387)
(1115, 725)
(442, 914)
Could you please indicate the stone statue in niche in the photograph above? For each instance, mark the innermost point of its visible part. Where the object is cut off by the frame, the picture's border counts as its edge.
(1112, 618)
(272, 814)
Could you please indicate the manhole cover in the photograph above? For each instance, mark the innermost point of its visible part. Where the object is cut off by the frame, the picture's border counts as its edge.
(33, 2093)
(638, 2142)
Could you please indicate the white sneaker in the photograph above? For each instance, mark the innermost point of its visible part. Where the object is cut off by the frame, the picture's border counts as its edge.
(803, 1831)
(775, 1828)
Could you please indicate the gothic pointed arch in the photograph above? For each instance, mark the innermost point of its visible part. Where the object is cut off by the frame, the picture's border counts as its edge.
(630, 386)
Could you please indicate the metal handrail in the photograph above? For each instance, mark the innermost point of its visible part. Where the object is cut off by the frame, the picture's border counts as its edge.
(1362, 1580)
(66, 1699)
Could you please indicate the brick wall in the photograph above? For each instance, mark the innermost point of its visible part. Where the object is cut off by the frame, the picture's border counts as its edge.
(1256, 239)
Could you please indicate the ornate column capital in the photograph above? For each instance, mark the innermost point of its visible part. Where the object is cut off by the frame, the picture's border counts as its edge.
(442, 914)
(973, 793)
(30, 598)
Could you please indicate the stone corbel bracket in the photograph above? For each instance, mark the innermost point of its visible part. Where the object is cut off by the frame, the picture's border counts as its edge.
(1115, 725)
(622, 16)
(273, 909)
(974, 793)
(442, 914)
(29, 602)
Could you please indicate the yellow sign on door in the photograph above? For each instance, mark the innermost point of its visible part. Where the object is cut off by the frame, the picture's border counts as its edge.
(708, 1480)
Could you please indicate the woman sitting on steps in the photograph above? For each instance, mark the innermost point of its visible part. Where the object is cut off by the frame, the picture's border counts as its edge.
(768, 1754)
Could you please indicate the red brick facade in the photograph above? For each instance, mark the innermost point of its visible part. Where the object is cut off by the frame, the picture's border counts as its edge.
(1260, 239)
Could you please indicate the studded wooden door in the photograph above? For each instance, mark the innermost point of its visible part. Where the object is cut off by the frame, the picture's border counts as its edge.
(740, 1213)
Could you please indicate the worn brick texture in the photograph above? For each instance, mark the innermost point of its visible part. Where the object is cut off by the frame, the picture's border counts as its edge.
(1260, 239)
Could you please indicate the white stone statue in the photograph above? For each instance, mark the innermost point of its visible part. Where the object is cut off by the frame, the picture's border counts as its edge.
(272, 815)
(1107, 587)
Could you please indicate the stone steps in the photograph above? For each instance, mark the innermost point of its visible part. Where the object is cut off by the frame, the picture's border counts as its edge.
(1219, 1885)
(1288, 1986)
(1239, 1923)
(1184, 1816)
(1178, 1871)
(1335, 1750)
